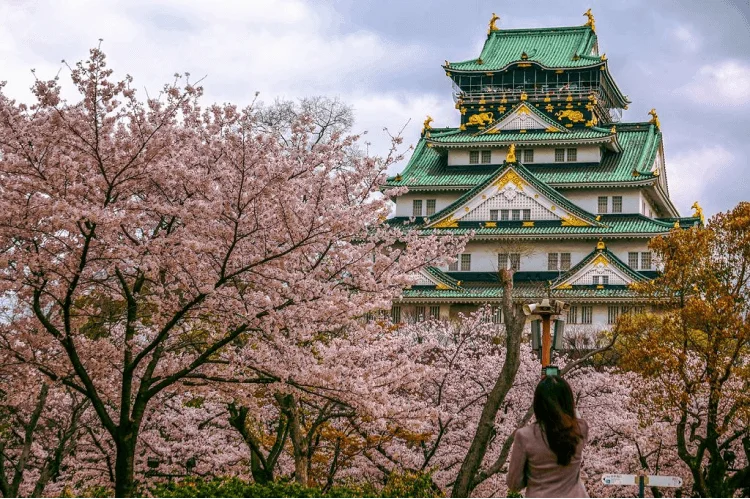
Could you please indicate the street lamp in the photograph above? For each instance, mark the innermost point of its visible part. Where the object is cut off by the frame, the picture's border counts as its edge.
(546, 309)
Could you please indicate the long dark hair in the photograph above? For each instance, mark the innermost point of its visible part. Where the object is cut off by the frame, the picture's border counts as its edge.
(554, 409)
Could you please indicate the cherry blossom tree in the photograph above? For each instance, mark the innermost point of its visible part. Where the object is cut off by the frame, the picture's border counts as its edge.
(147, 243)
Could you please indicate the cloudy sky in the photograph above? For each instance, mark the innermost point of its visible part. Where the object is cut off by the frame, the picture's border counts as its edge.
(690, 59)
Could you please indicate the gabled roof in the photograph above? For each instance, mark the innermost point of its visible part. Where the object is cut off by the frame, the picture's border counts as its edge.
(536, 120)
(553, 48)
(428, 168)
(600, 255)
(441, 279)
(516, 173)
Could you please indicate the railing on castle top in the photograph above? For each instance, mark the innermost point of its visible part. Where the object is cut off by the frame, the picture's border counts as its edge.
(503, 96)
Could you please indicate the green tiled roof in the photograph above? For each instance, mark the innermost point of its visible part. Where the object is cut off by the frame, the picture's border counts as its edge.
(428, 168)
(610, 226)
(616, 262)
(576, 135)
(569, 47)
(524, 173)
(639, 143)
(525, 291)
(442, 277)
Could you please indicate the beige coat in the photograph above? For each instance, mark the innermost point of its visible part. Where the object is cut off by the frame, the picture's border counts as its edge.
(534, 466)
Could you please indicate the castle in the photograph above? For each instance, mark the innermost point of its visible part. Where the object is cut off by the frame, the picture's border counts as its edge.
(547, 177)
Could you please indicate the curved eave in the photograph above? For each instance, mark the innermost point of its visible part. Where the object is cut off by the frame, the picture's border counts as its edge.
(552, 140)
(621, 183)
(451, 69)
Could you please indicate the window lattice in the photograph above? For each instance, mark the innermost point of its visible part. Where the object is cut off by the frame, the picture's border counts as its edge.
(602, 204)
(473, 157)
(430, 207)
(486, 156)
(646, 260)
(559, 155)
(435, 312)
(616, 204)
(633, 260)
(588, 278)
(572, 315)
(587, 314)
(520, 203)
(528, 156)
(466, 262)
(572, 154)
(416, 208)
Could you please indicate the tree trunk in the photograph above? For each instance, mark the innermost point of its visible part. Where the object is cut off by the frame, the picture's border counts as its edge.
(125, 463)
(300, 443)
(514, 323)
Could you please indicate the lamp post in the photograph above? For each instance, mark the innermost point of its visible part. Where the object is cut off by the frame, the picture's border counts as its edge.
(546, 309)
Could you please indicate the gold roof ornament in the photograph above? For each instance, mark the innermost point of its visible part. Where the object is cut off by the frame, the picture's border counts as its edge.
(426, 126)
(398, 177)
(600, 245)
(493, 25)
(613, 129)
(447, 64)
(676, 224)
(698, 212)
(654, 118)
(511, 156)
(590, 21)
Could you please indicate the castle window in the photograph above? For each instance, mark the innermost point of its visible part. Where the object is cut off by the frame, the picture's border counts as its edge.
(587, 313)
(504, 215)
(526, 215)
(515, 261)
(572, 315)
(486, 156)
(396, 314)
(528, 156)
(453, 267)
(616, 204)
(419, 314)
(465, 262)
(633, 260)
(493, 215)
(516, 214)
(552, 263)
(473, 157)
(435, 312)
(572, 154)
(600, 279)
(430, 207)
(564, 261)
(416, 206)
(646, 260)
(613, 312)
(506, 259)
(559, 155)
(558, 261)
(602, 205)
(497, 315)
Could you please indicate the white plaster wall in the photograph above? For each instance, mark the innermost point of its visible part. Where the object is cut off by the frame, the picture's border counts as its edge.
(534, 254)
(586, 154)
(588, 199)
(404, 203)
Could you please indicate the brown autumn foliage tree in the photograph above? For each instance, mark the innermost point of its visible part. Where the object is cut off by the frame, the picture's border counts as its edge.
(696, 354)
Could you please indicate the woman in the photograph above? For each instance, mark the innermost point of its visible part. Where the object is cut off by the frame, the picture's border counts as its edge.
(546, 456)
